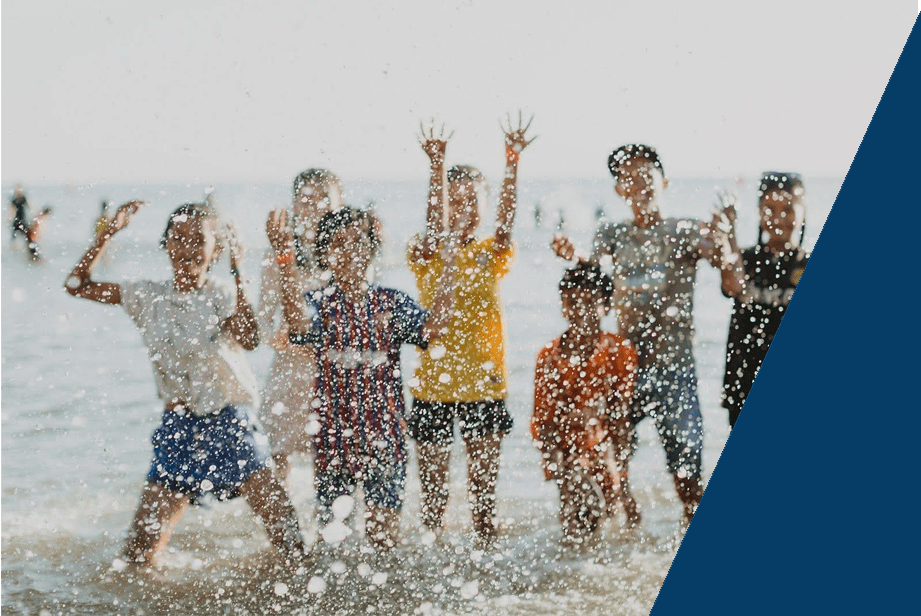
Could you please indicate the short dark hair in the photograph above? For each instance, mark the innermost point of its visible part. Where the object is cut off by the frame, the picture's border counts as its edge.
(781, 180)
(588, 277)
(186, 211)
(630, 151)
(333, 222)
(316, 176)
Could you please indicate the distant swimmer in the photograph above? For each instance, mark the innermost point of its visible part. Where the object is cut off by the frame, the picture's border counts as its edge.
(19, 213)
(196, 330)
(104, 217)
(34, 233)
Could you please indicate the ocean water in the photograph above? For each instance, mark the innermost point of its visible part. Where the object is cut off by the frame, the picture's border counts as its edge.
(79, 405)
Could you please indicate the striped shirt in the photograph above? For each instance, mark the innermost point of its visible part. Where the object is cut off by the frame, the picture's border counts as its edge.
(359, 381)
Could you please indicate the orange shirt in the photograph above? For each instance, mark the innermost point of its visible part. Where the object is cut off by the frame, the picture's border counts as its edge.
(571, 395)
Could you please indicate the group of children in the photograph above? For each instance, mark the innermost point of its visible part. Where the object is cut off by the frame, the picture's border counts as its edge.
(336, 388)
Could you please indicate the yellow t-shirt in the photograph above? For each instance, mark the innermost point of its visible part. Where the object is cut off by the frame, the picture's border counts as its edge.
(468, 363)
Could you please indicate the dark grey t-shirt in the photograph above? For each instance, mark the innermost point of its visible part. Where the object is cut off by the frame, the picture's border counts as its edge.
(654, 274)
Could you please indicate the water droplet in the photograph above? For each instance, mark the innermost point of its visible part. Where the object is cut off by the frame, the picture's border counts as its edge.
(316, 585)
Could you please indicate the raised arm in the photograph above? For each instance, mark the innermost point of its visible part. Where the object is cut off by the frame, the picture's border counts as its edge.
(516, 141)
(282, 240)
(443, 304)
(434, 147)
(241, 325)
(723, 250)
(79, 283)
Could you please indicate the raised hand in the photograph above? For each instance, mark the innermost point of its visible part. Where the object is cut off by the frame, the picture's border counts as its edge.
(434, 145)
(122, 217)
(232, 242)
(516, 139)
(726, 207)
(280, 235)
(563, 247)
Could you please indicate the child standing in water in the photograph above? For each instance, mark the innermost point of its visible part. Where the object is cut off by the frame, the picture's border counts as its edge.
(582, 388)
(655, 268)
(285, 410)
(464, 375)
(772, 269)
(195, 330)
(356, 330)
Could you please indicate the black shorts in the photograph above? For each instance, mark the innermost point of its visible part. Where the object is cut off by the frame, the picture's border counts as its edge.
(433, 422)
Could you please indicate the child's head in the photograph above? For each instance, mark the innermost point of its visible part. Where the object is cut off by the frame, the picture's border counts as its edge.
(347, 241)
(191, 238)
(638, 175)
(781, 208)
(467, 189)
(316, 192)
(585, 293)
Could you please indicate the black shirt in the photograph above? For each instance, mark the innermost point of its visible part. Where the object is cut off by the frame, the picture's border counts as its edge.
(772, 278)
(21, 205)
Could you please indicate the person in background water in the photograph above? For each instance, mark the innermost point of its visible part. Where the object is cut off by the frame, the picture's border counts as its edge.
(288, 393)
(772, 269)
(102, 223)
(355, 330)
(19, 213)
(195, 330)
(583, 384)
(655, 268)
(464, 375)
(35, 231)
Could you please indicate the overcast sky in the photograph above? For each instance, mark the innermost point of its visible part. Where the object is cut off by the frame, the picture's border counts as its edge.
(255, 91)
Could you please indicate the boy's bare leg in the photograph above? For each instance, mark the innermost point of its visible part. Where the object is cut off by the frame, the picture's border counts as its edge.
(482, 476)
(434, 461)
(629, 503)
(616, 488)
(154, 521)
(581, 503)
(383, 527)
(690, 491)
(282, 465)
(269, 500)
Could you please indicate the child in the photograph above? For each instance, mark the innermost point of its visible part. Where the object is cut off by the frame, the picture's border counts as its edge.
(464, 375)
(582, 388)
(655, 269)
(288, 391)
(772, 269)
(195, 331)
(357, 330)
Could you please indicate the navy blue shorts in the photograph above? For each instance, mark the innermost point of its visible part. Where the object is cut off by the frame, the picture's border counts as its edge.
(214, 453)
(669, 396)
(433, 422)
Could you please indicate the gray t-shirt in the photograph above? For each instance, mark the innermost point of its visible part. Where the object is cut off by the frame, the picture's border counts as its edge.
(654, 274)
(193, 359)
